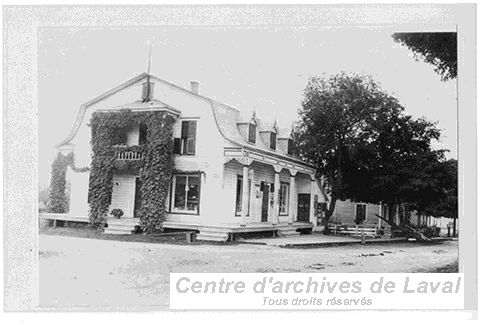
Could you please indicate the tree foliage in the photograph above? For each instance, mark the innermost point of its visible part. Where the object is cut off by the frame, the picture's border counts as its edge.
(59, 190)
(58, 202)
(439, 49)
(447, 204)
(364, 145)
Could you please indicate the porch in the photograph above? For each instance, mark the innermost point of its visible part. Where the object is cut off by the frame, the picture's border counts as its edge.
(223, 232)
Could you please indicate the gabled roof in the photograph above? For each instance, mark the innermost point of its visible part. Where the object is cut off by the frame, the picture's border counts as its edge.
(153, 104)
(225, 116)
(83, 108)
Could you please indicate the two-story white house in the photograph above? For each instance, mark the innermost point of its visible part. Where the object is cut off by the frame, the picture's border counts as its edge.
(233, 173)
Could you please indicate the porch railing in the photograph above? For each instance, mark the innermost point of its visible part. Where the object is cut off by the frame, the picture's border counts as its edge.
(128, 155)
(123, 153)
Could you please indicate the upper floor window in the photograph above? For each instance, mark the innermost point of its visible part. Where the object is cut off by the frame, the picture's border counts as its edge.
(185, 145)
(142, 137)
(252, 133)
(119, 137)
(273, 140)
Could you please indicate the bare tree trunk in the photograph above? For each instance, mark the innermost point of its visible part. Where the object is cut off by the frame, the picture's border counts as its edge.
(396, 214)
(329, 213)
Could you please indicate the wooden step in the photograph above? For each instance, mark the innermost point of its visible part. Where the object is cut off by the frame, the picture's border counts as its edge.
(126, 226)
(212, 235)
(288, 232)
(121, 227)
(126, 221)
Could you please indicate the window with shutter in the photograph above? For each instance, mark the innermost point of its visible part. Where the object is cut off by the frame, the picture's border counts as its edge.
(273, 141)
(290, 147)
(188, 140)
(252, 130)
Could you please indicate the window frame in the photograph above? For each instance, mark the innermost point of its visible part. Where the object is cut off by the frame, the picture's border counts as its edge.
(239, 213)
(172, 208)
(184, 140)
(287, 199)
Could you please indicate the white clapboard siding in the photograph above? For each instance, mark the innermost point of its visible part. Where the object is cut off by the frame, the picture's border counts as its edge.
(123, 194)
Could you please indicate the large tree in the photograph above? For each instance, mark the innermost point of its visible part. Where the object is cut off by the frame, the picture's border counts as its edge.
(447, 203)
(362, 142)
(439, 49)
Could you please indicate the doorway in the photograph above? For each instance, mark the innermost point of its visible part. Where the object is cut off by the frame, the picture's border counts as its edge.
(265, 194)
(303, 212)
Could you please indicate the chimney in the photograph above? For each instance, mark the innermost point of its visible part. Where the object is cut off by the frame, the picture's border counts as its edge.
(194, 85)
(147, 91)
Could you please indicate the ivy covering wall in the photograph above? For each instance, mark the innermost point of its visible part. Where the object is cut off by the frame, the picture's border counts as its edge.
(154, 168)
(58, 198)
(156, 174)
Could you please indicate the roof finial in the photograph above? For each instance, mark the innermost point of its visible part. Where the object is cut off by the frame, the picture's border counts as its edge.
(149, 56)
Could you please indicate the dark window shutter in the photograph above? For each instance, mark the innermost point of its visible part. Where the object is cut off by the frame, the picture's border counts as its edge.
(177, 144)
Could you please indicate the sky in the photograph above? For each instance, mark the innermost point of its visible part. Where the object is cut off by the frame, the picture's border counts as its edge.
(261, 68)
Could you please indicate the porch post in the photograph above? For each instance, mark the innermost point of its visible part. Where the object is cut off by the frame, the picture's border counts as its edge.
(293, 192)
(275, 196)
(312, 201)
(244, 196)
(252, 196)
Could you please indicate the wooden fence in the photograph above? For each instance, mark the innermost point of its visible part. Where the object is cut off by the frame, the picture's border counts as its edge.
(354, 230)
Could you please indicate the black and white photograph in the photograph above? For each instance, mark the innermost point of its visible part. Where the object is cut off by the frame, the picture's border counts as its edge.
(276, 147)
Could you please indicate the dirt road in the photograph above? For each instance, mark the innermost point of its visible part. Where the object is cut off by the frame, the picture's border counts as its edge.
(89, 272)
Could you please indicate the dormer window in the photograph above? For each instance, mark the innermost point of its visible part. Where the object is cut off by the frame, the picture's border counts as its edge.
(273, 141)
(252, 133)
(290, 146)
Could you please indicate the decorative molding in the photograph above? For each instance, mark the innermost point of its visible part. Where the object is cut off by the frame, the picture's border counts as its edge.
(277, 169)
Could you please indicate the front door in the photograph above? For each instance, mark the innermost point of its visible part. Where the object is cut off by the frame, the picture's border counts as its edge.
(265, 193)
(138, 198)
(303, 213)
